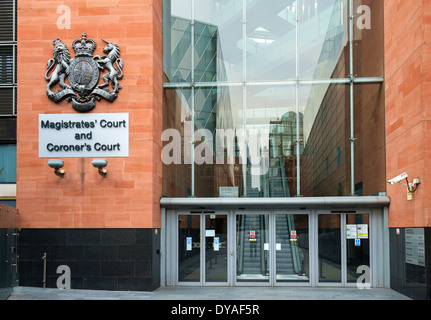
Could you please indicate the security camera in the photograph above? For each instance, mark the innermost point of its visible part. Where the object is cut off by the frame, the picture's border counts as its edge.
(57, 165)
(399, 178)
(100, 164)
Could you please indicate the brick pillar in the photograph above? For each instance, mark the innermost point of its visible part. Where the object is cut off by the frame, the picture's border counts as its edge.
(408, 137)
(116, 217)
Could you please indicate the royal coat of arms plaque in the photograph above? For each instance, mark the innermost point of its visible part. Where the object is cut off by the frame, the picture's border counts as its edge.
(83, 73)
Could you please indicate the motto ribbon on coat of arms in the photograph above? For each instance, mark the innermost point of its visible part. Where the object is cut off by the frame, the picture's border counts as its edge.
(83, 73)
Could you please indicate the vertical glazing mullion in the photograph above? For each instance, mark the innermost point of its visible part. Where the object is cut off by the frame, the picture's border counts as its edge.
(192, 64)
(298, 142)
(244, 95)
(352, 128)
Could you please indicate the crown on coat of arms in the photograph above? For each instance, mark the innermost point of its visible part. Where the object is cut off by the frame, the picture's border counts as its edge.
(84, 46)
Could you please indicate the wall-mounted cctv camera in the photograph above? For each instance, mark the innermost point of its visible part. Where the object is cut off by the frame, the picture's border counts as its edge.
(57, 165)
(100, 164)
(399, 178)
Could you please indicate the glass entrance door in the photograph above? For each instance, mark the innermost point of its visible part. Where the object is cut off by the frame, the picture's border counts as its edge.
(343, 246)
(202, 249)
(252, 248)
(189, 252)
(272, 248)
(292, 248)
(216, 248)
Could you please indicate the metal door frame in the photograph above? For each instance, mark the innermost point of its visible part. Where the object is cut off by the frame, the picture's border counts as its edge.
(270, 282)
(378, 248)
(202, 282)
(343, 223)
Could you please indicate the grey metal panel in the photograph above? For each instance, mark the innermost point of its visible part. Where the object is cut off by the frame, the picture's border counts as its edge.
(275, 203)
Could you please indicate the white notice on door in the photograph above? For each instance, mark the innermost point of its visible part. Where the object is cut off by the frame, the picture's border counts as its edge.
(216, 243)
(189, 244)
(351, 231)
(363, 231)
(210, 233)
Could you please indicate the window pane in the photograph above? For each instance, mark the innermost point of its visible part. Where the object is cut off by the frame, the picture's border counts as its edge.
(6, 101)
(6, 65)
(271, 145)
(329, 248)
(358, 255)
(252, 234)
(177, 147)
(368, 51)
(216, 244)
(189, 235)
(271, 39)
(177, 35)
(6, 20)
(218, 120)
(292, 248)
(325, 160)
(218, 40)
(7, 163)
(369, 115)
(323, 39)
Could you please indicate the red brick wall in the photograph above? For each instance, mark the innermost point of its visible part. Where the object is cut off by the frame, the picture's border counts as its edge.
(129, 196)
(408, 108)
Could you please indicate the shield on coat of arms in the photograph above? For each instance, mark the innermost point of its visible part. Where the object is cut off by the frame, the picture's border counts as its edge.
(84, 74)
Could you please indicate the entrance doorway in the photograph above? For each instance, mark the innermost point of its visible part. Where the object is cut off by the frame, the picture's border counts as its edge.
(343, 247)
(269, 248)
(203, 248)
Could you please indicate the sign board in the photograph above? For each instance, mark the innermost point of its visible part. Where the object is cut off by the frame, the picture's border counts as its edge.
(216, 243)
(189, 244)
(228, 192)
(357, 231)
(362, 231)
(252, 235)
(84, 135)
(415, 246)
(351, 231)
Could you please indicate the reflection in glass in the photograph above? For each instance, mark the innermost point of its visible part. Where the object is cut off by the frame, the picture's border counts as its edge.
(216, 248)
(189, 261)
(323, 39)
(370, 148)
(292, 250)
(218, 41)
(246, 59)
(329, 244)
(218, 119)
(177, 147)
(271, 37)
(271, 125)
(325, 161)
(252, 245)
(368, 48)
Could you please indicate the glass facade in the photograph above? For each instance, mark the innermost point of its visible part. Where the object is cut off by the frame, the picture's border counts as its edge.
(280, 100)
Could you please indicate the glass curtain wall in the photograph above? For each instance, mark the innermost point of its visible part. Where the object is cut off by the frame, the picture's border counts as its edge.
(277, 99)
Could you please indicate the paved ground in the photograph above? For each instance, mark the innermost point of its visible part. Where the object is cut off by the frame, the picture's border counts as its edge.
(210, 293)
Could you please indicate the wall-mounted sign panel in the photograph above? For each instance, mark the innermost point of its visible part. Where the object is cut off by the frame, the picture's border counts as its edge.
(84, 135)
(415, 246)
